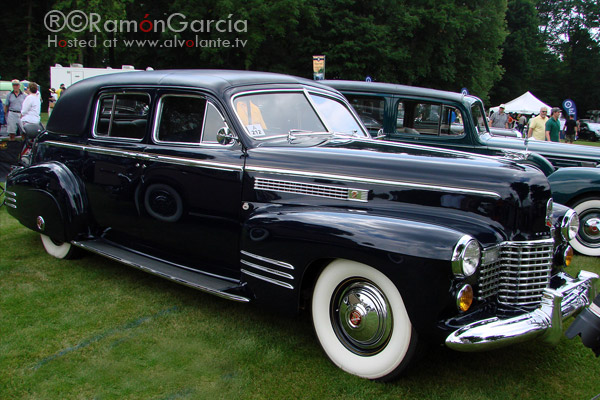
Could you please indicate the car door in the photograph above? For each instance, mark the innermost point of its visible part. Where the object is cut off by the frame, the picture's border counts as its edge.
(190, 196)
(112, 169)
(430, 122)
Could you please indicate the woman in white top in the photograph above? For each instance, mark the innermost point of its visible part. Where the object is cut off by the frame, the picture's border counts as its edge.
(30, 112)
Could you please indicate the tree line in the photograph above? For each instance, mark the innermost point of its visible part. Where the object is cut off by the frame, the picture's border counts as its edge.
(497, 49)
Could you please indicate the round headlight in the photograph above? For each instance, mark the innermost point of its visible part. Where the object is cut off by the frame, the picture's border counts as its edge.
(570, 225)
(466, 257)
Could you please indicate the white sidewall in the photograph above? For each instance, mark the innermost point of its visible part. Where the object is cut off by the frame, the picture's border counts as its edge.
(370, 367)
(55, 251)
(580, 208)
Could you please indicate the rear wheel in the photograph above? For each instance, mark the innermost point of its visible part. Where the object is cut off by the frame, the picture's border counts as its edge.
(587, 241)
(62, 250)
(361, 321)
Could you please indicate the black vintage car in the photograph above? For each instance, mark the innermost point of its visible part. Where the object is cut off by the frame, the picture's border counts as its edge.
(266, 188)
(454, 121)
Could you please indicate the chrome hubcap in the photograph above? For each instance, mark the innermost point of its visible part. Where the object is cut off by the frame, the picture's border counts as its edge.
(592, 227)
(361, 317)
(589, 228)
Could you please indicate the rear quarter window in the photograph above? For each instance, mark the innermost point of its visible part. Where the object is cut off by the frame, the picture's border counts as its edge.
(122, 116)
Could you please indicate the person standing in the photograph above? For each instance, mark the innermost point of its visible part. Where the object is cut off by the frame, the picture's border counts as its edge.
(51, 101)
(30, 113)
(570, 129)
(537, 125)
(12, 109)
(60, 90)
(499, 119)
(553, 126)
(521, 122)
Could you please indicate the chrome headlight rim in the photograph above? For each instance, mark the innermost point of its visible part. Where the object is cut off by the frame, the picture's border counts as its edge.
(569, 225)
(549, 209)
(466, 257)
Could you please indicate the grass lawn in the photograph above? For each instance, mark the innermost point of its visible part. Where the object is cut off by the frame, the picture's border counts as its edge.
(95, 329)
(588, 143)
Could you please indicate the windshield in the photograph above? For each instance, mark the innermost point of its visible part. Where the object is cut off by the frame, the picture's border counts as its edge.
(276, 114)
(479, 118)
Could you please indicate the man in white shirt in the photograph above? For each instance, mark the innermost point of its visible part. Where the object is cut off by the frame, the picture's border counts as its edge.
(30, 112)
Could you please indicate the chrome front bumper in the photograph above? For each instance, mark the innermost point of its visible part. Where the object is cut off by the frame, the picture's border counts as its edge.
(545, 321)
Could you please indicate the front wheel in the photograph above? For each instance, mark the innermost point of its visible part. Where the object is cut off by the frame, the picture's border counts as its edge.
(361, 321)
(62, 250)
(587, 241)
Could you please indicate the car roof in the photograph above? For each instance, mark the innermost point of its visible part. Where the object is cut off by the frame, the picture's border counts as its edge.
(378, 87)
(211, 79)
(78, 99)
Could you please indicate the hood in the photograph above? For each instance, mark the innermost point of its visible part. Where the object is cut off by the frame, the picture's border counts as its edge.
(505, 200)
(560, 154)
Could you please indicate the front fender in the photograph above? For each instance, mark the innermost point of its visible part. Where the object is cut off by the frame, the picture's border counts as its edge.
(530, 158)
(569, 184)
(284, 248)
(351, 231)
(49, 199)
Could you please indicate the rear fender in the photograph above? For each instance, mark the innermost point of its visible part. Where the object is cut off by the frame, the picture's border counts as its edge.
(48, 198)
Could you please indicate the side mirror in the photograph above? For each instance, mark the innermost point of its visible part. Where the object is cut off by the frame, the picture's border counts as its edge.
(225, 137)
(380, 134)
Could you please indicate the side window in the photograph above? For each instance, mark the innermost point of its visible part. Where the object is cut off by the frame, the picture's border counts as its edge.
(404, 118)
(417, 118)
(370, 110)
(123, 115)
(213, 121)
(452, 122)
(427, 118)
(181, 119)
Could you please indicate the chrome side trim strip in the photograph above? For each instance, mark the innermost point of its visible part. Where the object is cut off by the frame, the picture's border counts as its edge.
(357, 179)
(10, 193)
(270, 280)
(266, 170)
(10, 205)
(219, 293)
(268, 260)
(190, 162)
(269, 270)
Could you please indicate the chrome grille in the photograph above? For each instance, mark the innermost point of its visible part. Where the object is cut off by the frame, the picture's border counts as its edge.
(520, 274)
(309, 189)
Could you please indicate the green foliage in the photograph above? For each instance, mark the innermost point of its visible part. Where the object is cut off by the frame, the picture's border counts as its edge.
(494, 48)
(522, 52)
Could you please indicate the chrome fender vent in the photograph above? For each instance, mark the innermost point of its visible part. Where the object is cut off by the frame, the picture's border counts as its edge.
(310, 189)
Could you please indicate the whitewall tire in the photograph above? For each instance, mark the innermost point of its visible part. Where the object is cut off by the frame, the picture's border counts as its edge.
(62, 250)
(587, 241)
(361, 321)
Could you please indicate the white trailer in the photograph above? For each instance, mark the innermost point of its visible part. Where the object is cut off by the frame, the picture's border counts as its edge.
(77, 72)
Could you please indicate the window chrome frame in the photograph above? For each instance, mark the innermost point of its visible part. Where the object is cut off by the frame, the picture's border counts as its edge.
(158, 116)
(306, 92)
(98, 110)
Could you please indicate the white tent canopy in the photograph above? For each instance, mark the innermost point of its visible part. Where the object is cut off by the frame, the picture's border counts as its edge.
(524, 104)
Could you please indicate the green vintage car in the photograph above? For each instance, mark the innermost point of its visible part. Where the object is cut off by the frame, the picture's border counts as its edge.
(455, 121)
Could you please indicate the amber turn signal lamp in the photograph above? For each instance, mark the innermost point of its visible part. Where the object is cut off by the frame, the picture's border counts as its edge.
(568, 257)
(464, 299)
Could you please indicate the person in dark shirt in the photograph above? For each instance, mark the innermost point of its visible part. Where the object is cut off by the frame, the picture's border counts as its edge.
(570, 129)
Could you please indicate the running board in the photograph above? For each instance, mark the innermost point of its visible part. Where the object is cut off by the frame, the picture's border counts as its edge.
(187, 277)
